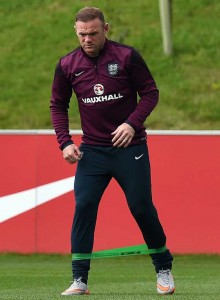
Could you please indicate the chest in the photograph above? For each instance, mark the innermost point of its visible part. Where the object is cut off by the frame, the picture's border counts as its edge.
(101, 77)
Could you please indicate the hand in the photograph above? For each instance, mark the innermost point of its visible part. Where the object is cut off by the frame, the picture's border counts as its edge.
(72, 154)
(123, 135)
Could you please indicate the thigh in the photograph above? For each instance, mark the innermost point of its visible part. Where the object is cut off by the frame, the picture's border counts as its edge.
(133, 173)
(91, 177)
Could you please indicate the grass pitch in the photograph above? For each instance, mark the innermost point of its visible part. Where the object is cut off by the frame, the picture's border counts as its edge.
(44, 277)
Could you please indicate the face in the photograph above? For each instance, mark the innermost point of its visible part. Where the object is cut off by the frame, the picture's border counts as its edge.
(91, 36)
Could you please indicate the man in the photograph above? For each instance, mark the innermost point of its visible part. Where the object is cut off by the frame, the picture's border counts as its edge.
(106, 77)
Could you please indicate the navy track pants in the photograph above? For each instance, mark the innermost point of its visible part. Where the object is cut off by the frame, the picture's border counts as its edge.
(131, 169)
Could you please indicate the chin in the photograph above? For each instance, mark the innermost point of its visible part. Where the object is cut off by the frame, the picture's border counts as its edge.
(91, 53)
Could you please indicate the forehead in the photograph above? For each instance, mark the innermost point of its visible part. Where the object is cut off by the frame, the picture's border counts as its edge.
(90, 26)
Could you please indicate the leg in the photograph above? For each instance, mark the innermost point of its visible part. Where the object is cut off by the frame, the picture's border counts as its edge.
(90, 182)
(134, 177)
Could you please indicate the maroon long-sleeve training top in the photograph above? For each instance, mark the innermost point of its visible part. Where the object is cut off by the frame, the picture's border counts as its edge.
(114, 88)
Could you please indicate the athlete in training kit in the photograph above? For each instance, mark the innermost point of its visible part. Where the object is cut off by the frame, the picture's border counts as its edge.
(106, 77)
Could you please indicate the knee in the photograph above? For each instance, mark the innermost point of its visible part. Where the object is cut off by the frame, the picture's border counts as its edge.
(143, 212)
(86, 206)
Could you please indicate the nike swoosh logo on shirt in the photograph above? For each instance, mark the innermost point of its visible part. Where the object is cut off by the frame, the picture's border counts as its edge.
(77, 74)
(138, 157)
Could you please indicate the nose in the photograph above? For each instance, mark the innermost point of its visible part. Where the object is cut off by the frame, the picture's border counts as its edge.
(88, 38)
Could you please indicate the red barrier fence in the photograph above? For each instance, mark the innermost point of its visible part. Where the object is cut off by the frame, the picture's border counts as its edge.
(37, 202)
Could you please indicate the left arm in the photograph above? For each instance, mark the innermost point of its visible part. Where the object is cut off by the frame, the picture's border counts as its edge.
(145, 85)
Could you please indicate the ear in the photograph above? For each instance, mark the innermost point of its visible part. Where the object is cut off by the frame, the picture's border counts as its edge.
(106, 27)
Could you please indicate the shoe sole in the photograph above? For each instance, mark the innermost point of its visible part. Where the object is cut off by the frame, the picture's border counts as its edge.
(76, 292)
(169, 292)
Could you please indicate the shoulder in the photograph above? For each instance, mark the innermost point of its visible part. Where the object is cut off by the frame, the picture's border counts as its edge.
(120, 46)
(70, 55)
(69, 62)
(120, 52)
(124, 50)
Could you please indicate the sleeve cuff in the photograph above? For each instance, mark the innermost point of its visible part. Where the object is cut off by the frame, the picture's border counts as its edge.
(63, 146)
(129, 123)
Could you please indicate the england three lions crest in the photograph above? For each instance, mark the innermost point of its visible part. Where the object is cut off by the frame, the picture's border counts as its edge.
(113, 69)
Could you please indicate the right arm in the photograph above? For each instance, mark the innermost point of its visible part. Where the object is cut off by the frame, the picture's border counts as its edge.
(59, 105)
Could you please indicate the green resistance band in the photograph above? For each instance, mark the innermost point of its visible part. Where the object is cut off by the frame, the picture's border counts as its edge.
(125, 251)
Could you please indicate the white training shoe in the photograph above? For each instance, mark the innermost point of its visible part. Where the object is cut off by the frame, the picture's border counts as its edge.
(165, 282)
(76, 288)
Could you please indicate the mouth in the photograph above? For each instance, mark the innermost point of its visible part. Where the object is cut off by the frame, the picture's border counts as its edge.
(88, 47)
